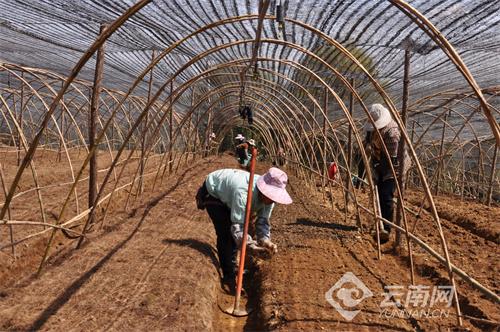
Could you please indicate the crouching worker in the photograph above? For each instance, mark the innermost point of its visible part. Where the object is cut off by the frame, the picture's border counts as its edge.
(243, 154)
(224, 195)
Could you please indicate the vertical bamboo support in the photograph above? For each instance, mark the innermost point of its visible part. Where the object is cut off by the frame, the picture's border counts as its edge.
(12, 137)
(59, 153)
(324, 171)
(11, 232)
(400, 213)
(441, 157)
(144, 132)
(378, 213)
(492, 175)
(190, 122)
(349, 144)
(171, 128)
(412, 182)
(207, 132)
(480, 172)
(462, 191)
(112, 140)
(195, 139)
(94, 106)
(19, 133)
(401, 146)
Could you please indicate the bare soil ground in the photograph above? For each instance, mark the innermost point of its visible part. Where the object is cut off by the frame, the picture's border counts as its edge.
(154, 267)
(317, 248)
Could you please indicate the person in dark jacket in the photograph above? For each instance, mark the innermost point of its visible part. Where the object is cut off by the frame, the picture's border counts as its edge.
(383, 176)
(243, 155)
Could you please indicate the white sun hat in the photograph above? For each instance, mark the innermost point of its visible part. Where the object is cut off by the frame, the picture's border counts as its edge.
(251, 141)
(381, 116)
(273, 184)
(239, 137)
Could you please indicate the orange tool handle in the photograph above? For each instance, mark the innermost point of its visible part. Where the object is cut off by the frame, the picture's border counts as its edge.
(243, 249)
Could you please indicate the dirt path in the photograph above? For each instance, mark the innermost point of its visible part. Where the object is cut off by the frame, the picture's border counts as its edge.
(317, 248)
(155, 268)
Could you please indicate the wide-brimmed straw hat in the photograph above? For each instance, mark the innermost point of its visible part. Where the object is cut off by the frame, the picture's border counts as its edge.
(381, 116)
(239, 137)
(251, 141)
(272, 185)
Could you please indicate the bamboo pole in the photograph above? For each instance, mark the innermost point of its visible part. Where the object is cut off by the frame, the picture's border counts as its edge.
(378, 215)
(59, 153)
(400, 213)
(93, 114)
(144, 132)
(492, 175)
(323, 150)
(171, 129)
(440, 163)
(11, 223)
(401, 146)
(349, 147)
(11, 233)
(20, 122)
(413, 180)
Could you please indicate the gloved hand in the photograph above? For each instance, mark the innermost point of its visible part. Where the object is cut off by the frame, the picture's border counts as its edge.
(254, 248)
(271, 247)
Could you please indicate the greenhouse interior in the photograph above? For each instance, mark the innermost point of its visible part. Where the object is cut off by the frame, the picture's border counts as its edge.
(369, 128)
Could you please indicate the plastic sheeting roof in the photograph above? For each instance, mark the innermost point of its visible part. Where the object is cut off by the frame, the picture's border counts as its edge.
(53, 34)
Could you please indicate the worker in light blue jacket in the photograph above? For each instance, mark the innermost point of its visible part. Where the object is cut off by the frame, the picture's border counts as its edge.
(224, 195)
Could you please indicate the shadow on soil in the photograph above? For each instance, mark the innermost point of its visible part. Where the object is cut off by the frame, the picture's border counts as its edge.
(63, 298)
(314, 223)
(54, 307)
(204, 248)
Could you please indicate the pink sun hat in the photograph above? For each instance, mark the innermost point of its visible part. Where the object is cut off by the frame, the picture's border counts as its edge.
(272, 185)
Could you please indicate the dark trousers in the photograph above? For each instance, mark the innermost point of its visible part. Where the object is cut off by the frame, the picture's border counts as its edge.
(226, 247)
(385, 195)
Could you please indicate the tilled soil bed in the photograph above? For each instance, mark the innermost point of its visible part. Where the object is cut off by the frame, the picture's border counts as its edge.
(154, 267)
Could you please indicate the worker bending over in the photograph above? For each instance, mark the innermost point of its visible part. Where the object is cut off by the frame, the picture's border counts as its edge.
(224, 195)
(243, 153)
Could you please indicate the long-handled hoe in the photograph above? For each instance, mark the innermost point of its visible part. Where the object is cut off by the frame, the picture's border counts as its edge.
(236, 310)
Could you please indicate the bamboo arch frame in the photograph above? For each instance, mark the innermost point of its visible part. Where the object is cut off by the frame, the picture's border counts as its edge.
(137, 7)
